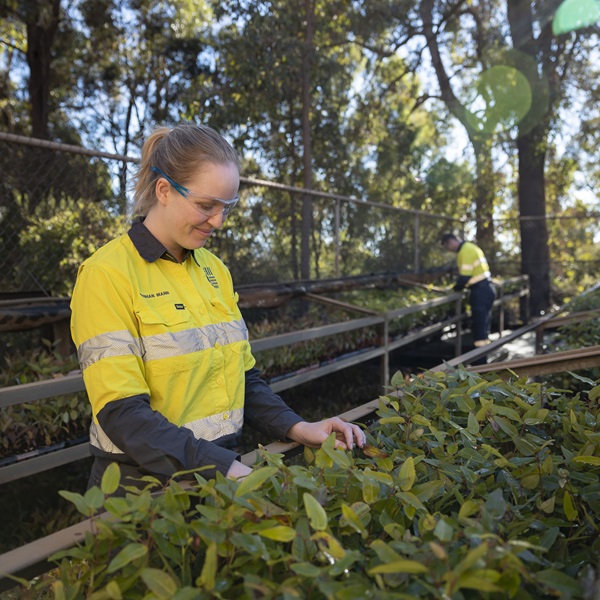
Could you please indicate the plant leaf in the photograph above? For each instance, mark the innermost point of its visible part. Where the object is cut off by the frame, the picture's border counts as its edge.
(255, 480)
(161, 584)
(128, 554)
(110, 479)
(399, 566)
(316, 513)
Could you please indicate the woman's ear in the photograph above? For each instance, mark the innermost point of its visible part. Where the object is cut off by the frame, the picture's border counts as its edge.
(162, 190)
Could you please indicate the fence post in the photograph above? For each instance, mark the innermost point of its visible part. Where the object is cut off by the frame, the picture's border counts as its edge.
(336, 237)
(416, 242)
(458, 340)
(501, 316)
(385, 358)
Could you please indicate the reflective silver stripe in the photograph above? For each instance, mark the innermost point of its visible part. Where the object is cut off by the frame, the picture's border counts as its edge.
(100, 440)
(216, 426)
(477, 278)
(166, 345)
(207, 428)
(108, 345)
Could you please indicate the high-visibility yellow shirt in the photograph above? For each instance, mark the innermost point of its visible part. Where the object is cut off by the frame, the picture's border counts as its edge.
(472, 264)
(168, 330)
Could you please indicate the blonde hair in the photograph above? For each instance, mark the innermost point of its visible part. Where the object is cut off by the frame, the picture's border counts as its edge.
(180, 152)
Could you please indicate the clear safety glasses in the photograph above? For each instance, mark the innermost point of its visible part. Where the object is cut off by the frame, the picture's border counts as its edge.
(209, 206)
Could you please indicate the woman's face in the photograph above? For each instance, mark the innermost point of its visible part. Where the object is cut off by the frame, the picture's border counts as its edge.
(177, 222)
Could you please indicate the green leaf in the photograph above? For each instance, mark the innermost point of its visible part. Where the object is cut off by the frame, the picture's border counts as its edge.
(352, 519)
(547, 506)
(420, 420)
(397, 379)
(472, 424)
(443, 531)
(392, 420)
(530, 482)
(370, 490)
(479, 579)
(549, 536)
(77, 500)
(411, 500)
(385, 552)
(507, 427)
(113, 590)
(399, 566)
(328, 545)
(281, 533)
(209, 568)
(94, 499)
(160, 583)
(316, 513)
(560, 582)
(305, 569)
(128, 554)
(255, 480)
(581, 378)
(587, 460)
(569, 507)
(525, 447)
(594, 393)
(338, 456)
(472, 557)
(110, 479)
(425, 491)
(469, 507)
(407, 474)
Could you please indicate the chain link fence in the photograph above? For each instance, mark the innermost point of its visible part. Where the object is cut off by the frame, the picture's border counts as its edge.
(58, 203)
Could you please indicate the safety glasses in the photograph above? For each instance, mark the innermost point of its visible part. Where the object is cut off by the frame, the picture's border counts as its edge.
(209, 206)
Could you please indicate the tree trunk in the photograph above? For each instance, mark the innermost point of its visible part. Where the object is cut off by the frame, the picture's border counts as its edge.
(42, 24)
(531, 146)
(535, 259)
(485, 187)
(307, 141)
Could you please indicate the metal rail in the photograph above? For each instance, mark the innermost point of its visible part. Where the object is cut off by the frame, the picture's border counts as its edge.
(73, 383)
(557, 362)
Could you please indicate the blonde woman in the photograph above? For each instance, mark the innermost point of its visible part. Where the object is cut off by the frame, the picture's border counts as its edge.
(162, 345)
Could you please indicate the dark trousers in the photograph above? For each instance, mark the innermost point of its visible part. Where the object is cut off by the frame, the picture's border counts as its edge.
(481, 299)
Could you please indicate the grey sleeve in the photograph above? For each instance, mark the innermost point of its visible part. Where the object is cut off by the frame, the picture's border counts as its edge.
(264, 410)
(155, 444)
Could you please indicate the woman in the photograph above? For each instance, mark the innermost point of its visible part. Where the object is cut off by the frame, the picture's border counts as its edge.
(162, 345)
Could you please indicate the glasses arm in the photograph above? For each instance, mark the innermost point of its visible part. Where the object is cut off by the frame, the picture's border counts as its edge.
(182, 190)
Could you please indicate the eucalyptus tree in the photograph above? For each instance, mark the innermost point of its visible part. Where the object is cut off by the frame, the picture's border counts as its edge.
(286, 69)
(293, 86)
(502, 72)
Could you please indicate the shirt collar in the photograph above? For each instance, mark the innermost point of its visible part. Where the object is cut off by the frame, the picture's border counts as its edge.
(148, 247)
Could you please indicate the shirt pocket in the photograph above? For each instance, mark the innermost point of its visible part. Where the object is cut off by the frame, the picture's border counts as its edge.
(161, 318)
(233, 327)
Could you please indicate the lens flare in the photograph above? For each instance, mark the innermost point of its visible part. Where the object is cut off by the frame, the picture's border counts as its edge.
(575, 14)
(502, 97)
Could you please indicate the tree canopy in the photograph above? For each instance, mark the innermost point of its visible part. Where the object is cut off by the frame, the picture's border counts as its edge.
(364, 98)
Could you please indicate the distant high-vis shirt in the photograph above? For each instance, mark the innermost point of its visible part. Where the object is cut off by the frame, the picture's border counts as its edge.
(472, 263)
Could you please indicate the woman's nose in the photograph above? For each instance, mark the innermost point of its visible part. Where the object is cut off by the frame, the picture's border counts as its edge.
(217, 220)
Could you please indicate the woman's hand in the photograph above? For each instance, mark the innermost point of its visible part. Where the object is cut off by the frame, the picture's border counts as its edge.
(314, 434)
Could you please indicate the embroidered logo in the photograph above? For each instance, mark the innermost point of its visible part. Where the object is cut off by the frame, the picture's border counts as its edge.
(180, 306)
(211, 278)
(155, 294)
